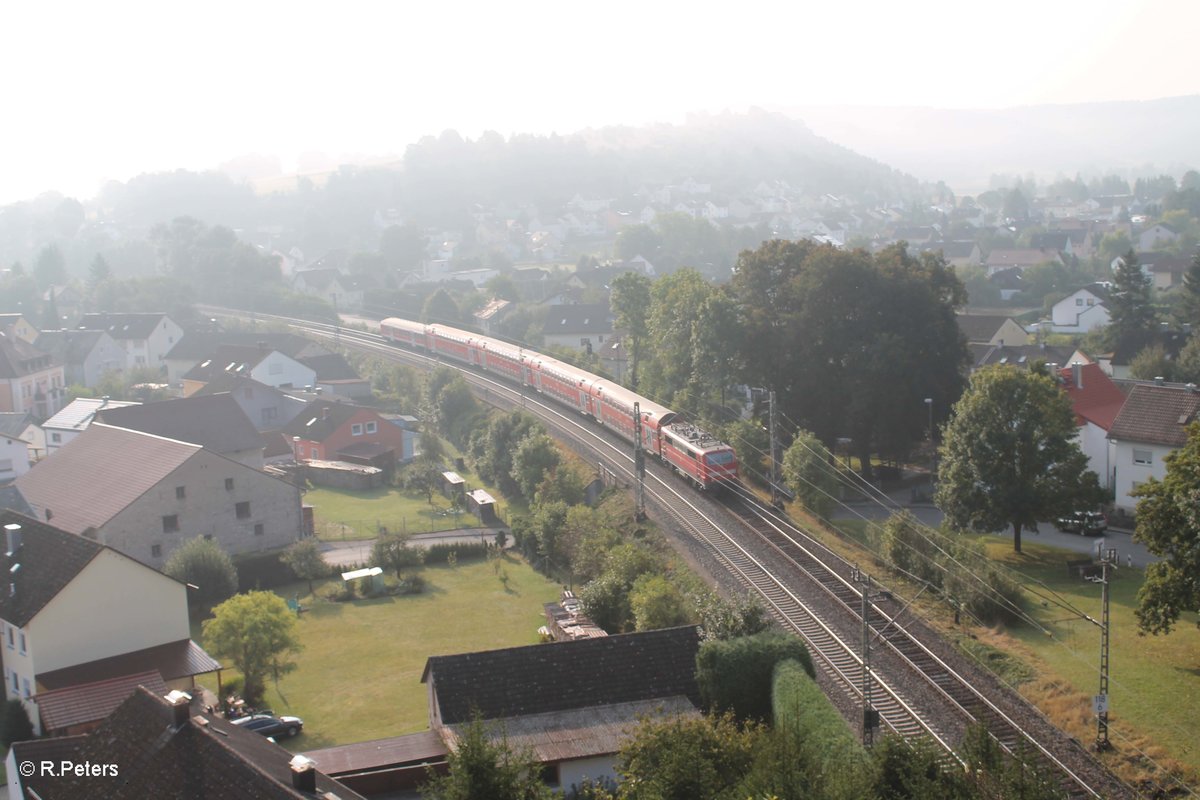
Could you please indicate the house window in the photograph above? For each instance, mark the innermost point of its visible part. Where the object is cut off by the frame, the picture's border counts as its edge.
(14, 682)
(156, 550)
(21, 638)
(11, 637)
(356, 429)
(180, 492)
(170, 523)
(229, 484)
(56, 437)
(258, 529)
(372, 427)
(1143, 457)
(242, 509)
(25, 687)
(1078, 301)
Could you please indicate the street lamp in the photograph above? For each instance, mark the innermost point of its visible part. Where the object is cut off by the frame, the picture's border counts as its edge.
(932, 446)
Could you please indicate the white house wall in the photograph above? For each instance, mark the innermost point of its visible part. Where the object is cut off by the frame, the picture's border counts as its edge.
(14, 459)
(1093, 441)
(279, 370)
(1128, 475)
(93, 616)
(576, 771)
(19, 660)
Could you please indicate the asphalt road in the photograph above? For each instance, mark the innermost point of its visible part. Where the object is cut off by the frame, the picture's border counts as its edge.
(359, 551)
(1128, 551)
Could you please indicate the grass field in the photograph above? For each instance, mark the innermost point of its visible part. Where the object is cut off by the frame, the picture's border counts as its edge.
(1149, 675)
(1154, 680)
(359, 675)
(343, 514)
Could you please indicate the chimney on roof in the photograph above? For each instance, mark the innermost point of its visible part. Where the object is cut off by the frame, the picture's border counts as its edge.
(12, 537)
(1191, 387)
(304, 774)
(1158, 380)
(1077, 373)
(181, 708)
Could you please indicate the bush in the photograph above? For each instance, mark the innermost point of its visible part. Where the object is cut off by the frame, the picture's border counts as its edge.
(412, 584)
(736, 675)
(263, 571)
(438, 553)
(801, 708)
(14, 724)
(202, 563)
(984, 591)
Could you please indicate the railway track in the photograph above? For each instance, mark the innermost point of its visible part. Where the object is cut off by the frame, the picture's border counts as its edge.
(834, 575)
(836, 653)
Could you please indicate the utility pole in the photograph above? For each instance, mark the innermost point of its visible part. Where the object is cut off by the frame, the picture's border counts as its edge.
(639, 463)
(870, 717)
(1100, 701)
(774, 450)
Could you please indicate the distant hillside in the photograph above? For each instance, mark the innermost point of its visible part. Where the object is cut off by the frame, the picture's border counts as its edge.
(964, 147)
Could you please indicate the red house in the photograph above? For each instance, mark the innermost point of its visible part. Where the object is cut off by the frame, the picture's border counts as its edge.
(328, 431)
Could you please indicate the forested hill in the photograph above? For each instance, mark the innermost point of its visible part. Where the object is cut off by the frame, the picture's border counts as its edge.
(965, 147)
(730, 152)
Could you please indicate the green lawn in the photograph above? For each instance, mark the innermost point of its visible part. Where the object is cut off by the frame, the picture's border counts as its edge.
(359, 673)
(1155, 680)
(345, 514)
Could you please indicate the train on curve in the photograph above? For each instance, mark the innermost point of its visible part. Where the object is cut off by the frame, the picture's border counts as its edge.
(692, 452)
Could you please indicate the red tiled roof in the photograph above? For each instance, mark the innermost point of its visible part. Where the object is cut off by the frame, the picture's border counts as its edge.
(92, 702)
(1099, 401)
(1156, 415)
(173, 660)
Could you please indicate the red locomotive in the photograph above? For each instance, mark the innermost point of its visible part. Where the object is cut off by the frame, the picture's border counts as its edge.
(692, 452)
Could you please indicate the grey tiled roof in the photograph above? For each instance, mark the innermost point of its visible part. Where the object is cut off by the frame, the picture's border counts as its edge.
(215, 422)
(123, 326)
(202, 758)
(99, 473)
(50, 559)
(545, 678)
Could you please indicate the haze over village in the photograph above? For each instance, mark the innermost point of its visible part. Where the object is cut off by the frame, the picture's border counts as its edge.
(637, 402)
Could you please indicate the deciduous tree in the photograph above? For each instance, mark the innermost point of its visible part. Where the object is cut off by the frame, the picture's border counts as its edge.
(811, 474)
(631, 305)
(202, 563)
(304, 558)
(1168, 523)
(483, 766)
(256, 631)
(1009, 457)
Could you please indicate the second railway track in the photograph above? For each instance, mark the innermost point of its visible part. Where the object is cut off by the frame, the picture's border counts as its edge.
(812, 595)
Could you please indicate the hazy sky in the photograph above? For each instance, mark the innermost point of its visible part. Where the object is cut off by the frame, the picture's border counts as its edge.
(108, 90)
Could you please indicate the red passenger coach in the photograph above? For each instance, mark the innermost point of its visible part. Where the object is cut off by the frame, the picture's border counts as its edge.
(689, 450)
